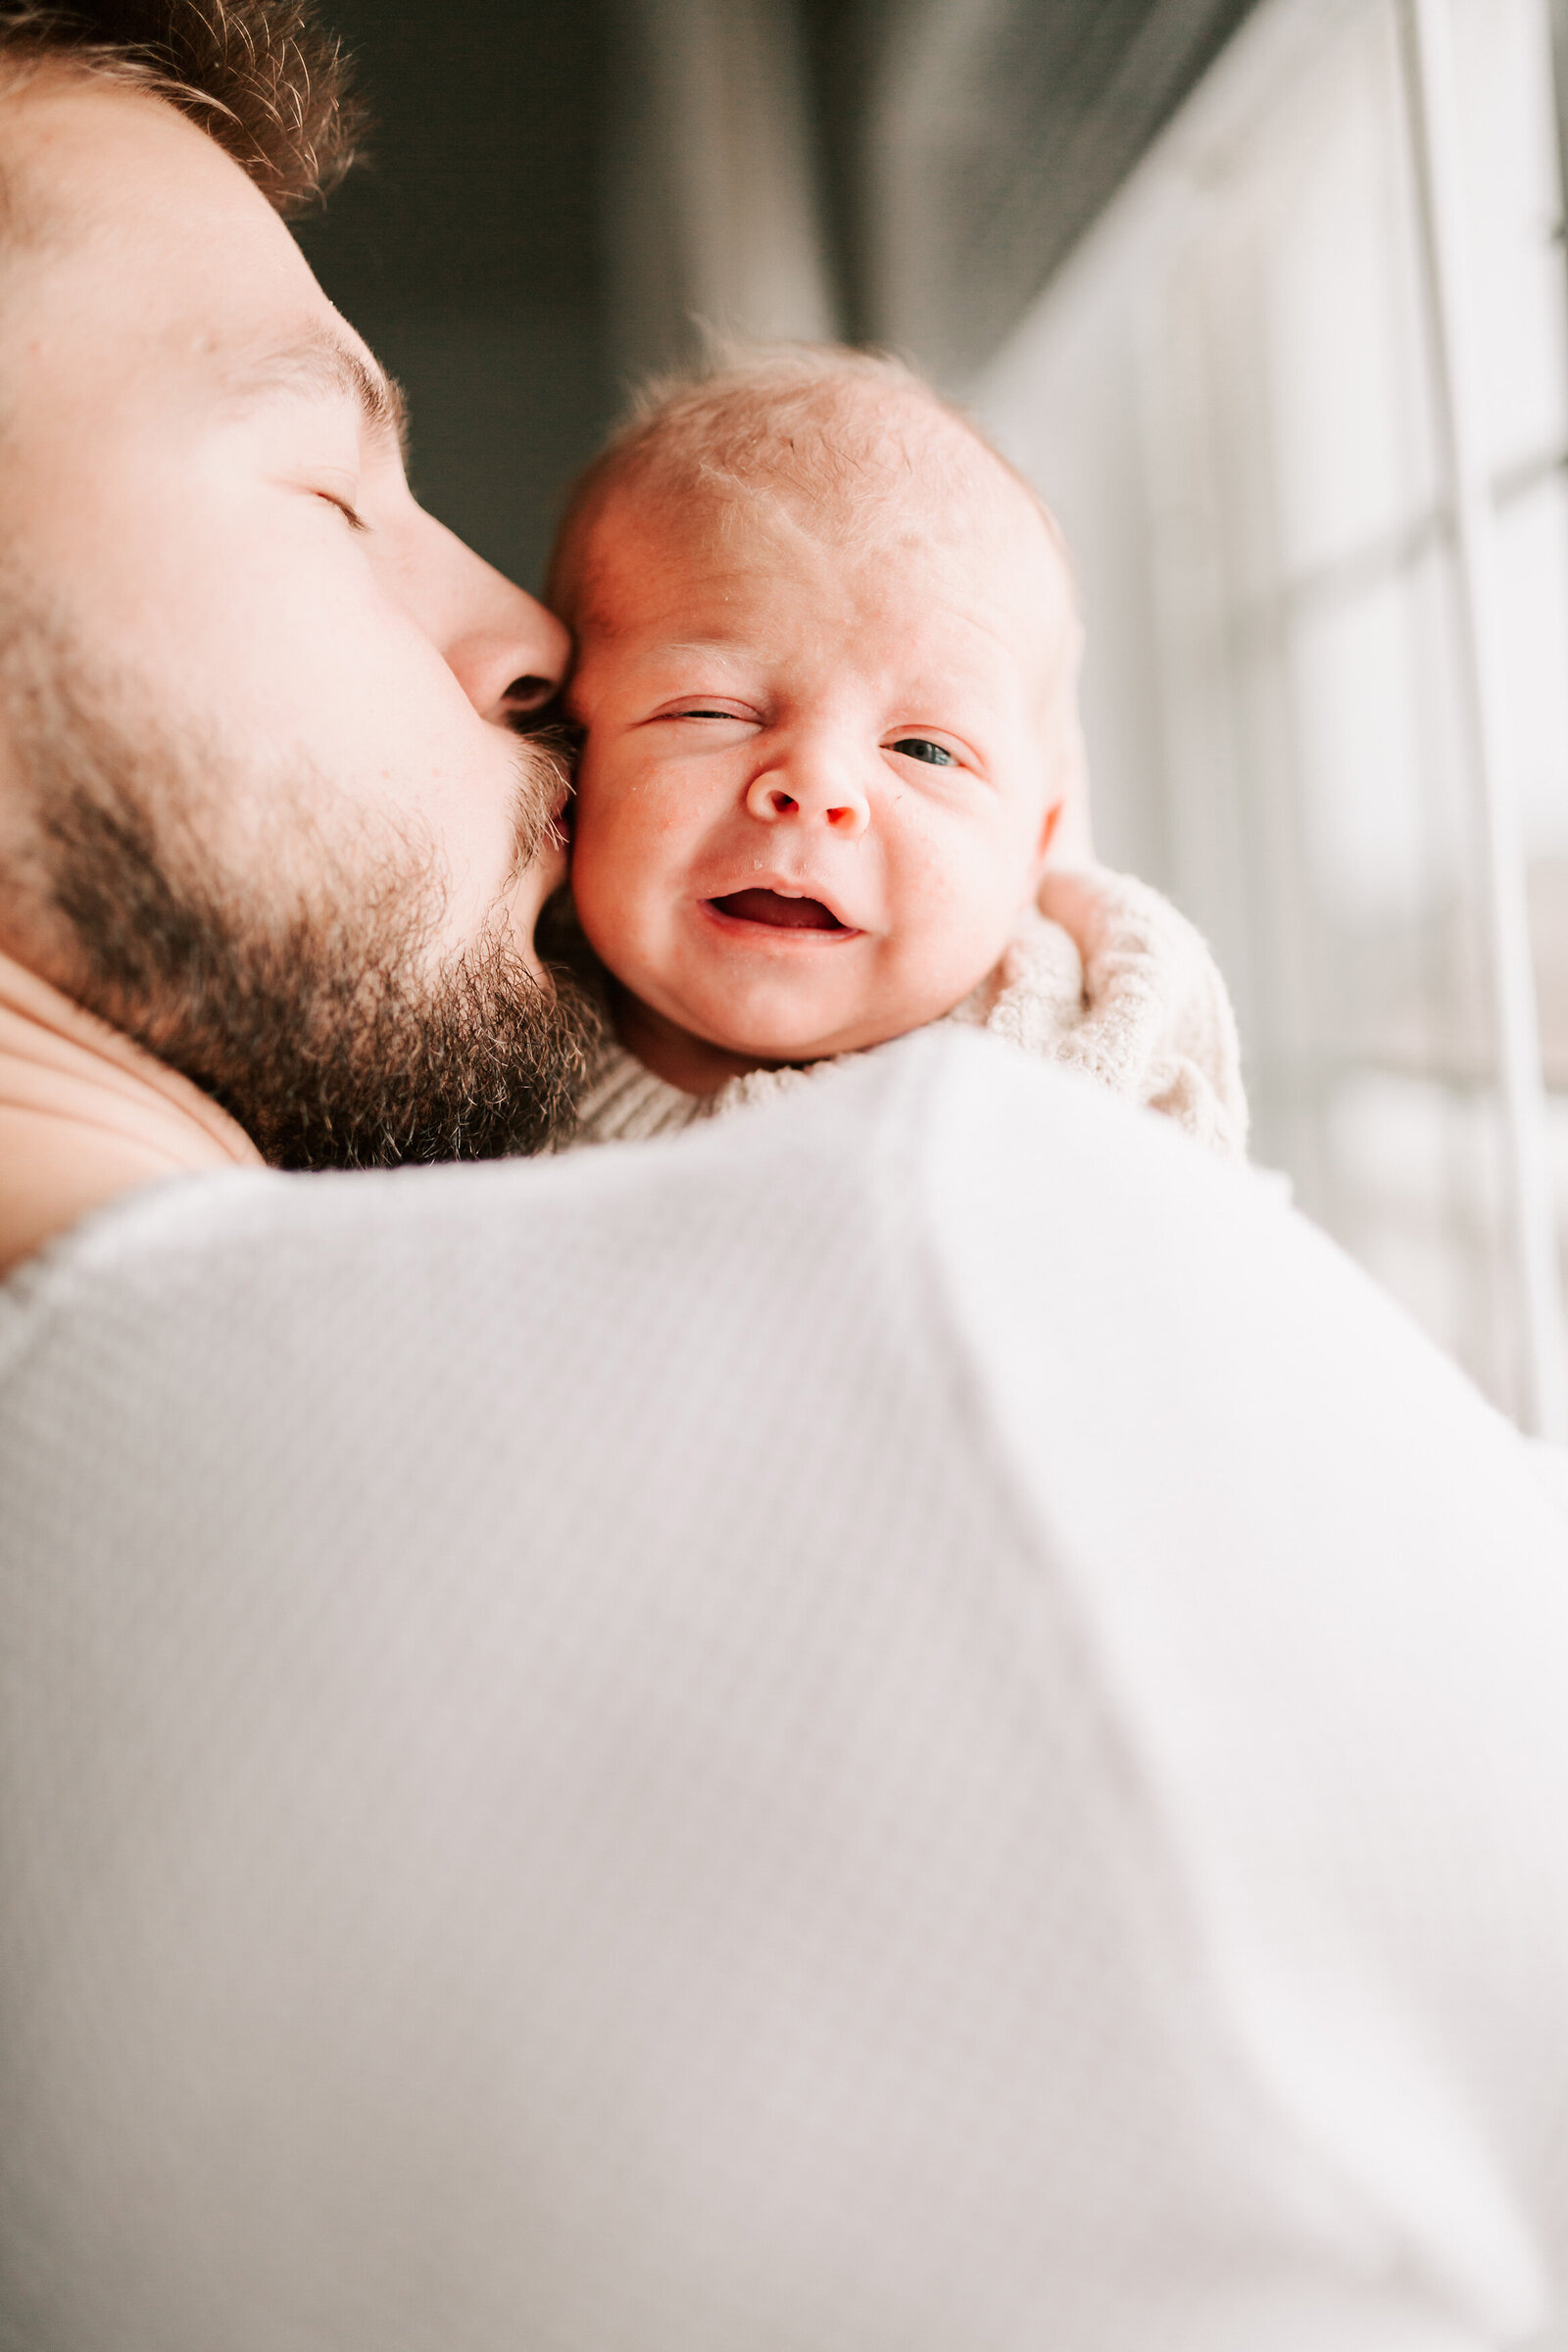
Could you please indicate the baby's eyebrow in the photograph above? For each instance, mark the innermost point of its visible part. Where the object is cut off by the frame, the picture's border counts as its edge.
(318, 363)
(697, 649)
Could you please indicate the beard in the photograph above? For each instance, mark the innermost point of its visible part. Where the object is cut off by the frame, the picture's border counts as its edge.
(311, 1011)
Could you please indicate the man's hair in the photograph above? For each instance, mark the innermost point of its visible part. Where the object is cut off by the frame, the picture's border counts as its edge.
(260, 75)
(811, 423)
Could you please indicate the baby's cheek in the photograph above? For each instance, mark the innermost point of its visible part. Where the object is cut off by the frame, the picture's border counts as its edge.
(959, 889)
(960, 901)
(610, 878)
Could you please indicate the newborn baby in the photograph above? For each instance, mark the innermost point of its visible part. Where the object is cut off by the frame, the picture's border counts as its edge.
(826, 672)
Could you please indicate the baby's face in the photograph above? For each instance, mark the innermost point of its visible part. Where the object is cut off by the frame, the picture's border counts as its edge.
(816, 790)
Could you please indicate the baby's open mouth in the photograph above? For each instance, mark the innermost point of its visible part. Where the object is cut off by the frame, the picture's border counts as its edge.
(784, 914)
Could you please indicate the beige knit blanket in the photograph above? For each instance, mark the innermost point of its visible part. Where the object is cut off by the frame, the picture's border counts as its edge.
(1105, 978)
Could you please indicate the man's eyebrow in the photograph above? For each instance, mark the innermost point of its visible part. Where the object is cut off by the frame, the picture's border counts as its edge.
(324, 363)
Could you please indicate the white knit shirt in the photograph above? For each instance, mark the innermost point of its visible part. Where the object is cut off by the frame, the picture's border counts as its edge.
(915, 1723)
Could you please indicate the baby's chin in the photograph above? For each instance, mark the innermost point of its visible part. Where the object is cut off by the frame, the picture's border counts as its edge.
(776, 1038)
(773, 1045)
(699, 1045)
(767, 996)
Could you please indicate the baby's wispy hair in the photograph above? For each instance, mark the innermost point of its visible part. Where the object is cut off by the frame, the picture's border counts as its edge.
(806, 424)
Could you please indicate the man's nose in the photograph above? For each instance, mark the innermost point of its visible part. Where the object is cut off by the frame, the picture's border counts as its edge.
(810, 790)
(507, 652)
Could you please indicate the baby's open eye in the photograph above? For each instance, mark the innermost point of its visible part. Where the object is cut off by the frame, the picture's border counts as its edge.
(921, 747)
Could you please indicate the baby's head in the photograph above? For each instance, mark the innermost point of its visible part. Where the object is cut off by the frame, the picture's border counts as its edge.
(827, 653)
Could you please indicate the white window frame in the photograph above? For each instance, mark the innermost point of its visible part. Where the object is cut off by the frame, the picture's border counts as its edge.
(1095, 400)
(1427, 62)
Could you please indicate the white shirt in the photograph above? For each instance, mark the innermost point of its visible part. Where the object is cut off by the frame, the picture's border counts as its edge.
(913, 1720)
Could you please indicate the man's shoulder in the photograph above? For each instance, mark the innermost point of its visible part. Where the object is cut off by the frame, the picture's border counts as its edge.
(206, 1238)
(930, 1617)
(1040, 1257)
(406, 1351)
(269, 1319)
(1040, 1240)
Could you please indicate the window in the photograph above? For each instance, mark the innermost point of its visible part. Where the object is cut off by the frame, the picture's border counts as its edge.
(1239, 397)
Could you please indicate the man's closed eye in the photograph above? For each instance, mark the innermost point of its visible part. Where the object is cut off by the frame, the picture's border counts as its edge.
(354, 520)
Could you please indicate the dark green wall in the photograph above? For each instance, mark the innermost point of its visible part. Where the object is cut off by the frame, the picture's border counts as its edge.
(468, 251)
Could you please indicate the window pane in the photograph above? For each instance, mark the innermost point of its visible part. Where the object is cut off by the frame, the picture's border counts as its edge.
(1229, 397)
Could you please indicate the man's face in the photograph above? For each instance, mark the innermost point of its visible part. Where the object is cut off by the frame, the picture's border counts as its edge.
(210, 558)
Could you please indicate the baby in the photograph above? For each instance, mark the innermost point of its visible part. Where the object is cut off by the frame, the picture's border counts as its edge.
(826, 672)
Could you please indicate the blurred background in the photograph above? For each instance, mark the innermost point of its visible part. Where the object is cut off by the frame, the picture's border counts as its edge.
(1270, 299)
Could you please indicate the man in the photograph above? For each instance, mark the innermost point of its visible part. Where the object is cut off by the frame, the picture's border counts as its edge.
(916, 1721)
(264, 810)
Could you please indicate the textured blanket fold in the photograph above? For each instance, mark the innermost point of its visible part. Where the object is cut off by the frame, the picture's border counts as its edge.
(1105, 978)
(85, 1114)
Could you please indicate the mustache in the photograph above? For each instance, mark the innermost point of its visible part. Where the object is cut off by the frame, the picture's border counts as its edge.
(543, 768)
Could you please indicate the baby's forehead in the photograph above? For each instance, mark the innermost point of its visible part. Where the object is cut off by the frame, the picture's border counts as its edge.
(892, 464)
(894, 483)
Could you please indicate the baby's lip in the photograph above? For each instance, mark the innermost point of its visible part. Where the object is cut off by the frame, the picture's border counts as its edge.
(776, 906)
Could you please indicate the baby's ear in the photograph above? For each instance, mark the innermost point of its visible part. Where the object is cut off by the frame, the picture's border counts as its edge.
(1066, 837)
(1049, 827)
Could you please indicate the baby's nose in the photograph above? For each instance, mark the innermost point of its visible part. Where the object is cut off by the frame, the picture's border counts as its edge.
(841, 804)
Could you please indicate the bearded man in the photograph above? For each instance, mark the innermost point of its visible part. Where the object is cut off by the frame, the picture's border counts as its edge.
(912, 1722)
(265, 812)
